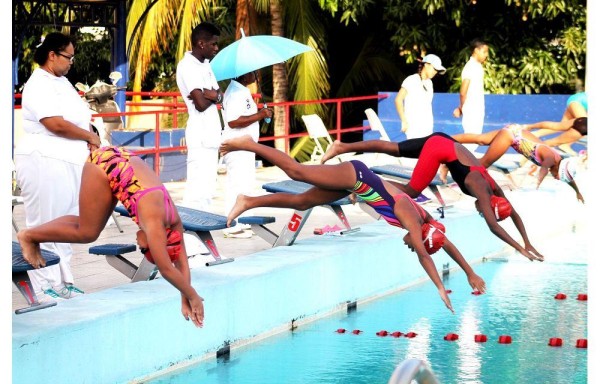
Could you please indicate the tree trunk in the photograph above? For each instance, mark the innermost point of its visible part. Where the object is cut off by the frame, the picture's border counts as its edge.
(245, 17)
(280, 81)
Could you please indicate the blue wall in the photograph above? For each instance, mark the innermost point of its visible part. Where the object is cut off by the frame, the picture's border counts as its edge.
(499, 111)
(173, 166)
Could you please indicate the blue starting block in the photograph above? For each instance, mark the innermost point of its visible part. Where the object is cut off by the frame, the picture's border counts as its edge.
(114, 256)
(290, 232)
(402, 172)
(21, 279)
(199, 224)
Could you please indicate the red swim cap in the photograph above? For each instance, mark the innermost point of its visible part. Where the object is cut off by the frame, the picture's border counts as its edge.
(501, 207)
(173, 246)
(433, 236)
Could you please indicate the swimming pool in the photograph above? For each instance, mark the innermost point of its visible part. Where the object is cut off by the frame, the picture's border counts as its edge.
(520, 303)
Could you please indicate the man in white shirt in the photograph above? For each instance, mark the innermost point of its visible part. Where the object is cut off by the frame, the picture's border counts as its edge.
(200, 91)
(242, 116)
(472, 106)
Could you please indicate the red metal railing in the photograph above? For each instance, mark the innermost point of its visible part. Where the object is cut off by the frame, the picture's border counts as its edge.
(174, 106)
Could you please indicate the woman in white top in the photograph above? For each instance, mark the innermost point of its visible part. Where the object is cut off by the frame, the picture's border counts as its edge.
(49, 157)
(414, 99)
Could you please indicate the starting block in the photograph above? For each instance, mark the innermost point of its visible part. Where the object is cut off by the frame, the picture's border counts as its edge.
(199, 224)
(21, 279)
(292, 229)
(114, 256)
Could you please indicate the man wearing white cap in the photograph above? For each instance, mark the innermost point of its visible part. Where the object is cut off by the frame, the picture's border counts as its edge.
(472, 105)
(414, 99)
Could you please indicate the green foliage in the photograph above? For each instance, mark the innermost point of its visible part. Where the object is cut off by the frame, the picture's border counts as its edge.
(536, 46)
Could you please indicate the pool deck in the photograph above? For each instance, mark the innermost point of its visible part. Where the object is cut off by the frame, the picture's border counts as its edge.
(243, 293)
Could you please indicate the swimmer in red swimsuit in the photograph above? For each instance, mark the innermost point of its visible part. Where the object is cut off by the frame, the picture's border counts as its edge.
(113, 174)
(473, 179)
(332, 182)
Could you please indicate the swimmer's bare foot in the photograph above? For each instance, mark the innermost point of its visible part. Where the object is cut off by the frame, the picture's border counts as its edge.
(31, 251)
(240, 206)
(236, 144)
(444, 173)
(337, 148)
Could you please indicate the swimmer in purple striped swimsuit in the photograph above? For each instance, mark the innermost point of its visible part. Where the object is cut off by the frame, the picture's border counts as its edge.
(112, 174)
(332, 182)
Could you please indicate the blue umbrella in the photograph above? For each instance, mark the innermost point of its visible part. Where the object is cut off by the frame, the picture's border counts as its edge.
(254, 52)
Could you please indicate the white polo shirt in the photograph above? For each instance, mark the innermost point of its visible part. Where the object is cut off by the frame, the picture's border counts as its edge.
(203, 128)
(417, 104)
(473, 71)
(46, 95)
(238, 102)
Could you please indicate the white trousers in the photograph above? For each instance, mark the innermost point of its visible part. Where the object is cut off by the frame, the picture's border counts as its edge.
(241, 176)
(201, 182)
(50, 189)
(472, 122)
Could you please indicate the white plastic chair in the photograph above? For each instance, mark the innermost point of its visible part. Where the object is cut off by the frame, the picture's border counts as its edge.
(377, 126)
(318, 132)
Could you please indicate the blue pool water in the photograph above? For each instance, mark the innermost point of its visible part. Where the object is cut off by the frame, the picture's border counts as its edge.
(520, 303)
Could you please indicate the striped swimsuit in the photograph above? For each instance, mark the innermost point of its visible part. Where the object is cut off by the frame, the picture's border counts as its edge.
(370, 188)
(124, 185)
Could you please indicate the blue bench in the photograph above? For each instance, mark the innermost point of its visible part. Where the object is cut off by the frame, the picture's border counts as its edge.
(290, 232)
(404, 173)
(114, 256)
(20, 278)
(199, 224)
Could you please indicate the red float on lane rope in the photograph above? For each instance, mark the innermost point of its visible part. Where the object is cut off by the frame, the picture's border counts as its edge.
(410, 335)
(341, 330)
(382, 333)
(480, 338)
(560, 296)
(555, 342)
(448, 291)
(476, 293)
(582, 297)
(356, 331)
(581, 343)
(505, 339)
(396, 334)
(451, 337)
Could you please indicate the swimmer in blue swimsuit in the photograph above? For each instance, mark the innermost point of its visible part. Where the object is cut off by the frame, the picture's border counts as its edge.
(571, 123)
(332, 182)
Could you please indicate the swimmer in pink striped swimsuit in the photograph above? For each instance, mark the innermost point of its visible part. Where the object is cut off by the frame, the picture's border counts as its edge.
(114, 174)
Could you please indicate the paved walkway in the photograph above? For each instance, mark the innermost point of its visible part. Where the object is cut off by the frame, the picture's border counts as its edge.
(92, 273)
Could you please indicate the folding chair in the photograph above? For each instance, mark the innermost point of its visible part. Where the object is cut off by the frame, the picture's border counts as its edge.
(377, 126)
(317, 131)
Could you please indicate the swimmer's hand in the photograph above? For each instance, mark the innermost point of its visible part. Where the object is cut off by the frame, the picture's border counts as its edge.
(446, 299)
(193, 310)
(476, 282)
(580, 198)
(530, 253)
